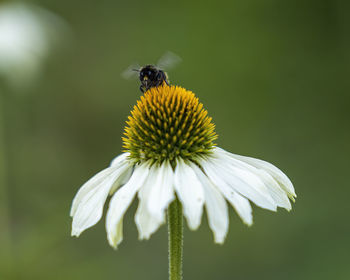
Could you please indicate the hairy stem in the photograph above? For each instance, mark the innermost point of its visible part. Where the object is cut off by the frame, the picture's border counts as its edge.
(175, 234)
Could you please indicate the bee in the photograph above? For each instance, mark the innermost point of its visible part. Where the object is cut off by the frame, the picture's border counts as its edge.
(153, 75)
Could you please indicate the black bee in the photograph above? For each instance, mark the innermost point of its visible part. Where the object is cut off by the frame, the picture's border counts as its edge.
(151, 75)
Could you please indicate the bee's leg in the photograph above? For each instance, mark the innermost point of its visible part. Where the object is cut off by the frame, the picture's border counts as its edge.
(166, 79)
(142, 89)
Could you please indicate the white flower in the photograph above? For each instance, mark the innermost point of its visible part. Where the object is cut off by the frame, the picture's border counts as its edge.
(162, 163)
(222, 177)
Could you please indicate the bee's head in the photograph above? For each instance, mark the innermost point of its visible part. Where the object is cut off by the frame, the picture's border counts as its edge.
(148, 72)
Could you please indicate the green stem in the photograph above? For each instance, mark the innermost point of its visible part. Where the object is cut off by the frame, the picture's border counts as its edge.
(175, 233)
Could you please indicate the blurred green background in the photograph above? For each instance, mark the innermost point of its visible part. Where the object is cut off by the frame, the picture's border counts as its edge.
(274, 75)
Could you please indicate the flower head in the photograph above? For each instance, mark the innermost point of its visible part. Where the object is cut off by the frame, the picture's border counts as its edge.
(169, 153)
(167, 124)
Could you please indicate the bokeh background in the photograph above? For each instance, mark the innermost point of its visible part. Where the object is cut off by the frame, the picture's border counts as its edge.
(274, 75)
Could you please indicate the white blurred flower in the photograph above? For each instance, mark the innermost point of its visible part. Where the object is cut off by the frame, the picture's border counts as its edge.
(170, 153)
(27, 35)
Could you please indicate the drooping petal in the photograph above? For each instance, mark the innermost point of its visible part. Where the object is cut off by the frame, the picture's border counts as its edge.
(95, 181)
(190, 192)
(276, 173)
(216, 207)
(230, 179)
(121, 180)
(277, 193)
(161, 190)
(238, 202)
(119, 159)
(154, 198)
(242, 206)
(145, 222)
(92, 184)
(120, 203)
(87, 206)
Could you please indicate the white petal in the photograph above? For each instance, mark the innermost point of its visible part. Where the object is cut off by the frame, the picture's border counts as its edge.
(90, 185)
(119, 159)
(154, 197)
(161, 190)
(121, 180)
(145, 222)
(216, 207)
(277, 193)
(229, 178)
(190, 193)
(276, 173)
(242, 206)
(87, 206)
(120, 203)
(120, 162)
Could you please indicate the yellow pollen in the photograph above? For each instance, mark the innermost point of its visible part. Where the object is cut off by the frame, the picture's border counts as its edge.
(168, 122)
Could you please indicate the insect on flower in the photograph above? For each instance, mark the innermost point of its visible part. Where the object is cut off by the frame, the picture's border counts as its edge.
(153, 75)
(170, 155)
(172, 164)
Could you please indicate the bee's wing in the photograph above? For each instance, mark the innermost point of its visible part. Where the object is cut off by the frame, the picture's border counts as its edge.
(168, 60)
(131, 72)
